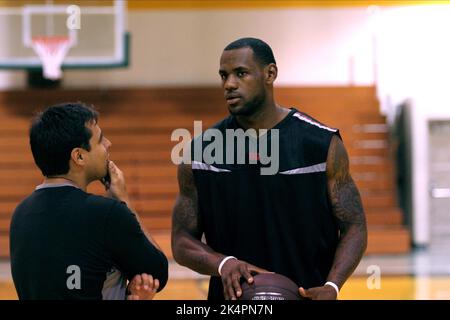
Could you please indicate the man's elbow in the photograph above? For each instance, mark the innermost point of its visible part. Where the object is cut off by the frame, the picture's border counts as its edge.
(178, 256)
(163, 275)
(364, 239)
(158, 267)
(177, 248)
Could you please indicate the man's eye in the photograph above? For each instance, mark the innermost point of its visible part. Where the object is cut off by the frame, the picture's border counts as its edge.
(240, 74)
(223, 77)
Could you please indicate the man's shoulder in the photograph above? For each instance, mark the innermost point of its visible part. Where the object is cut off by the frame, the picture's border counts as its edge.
(98, 201)
(108, 210)
(49, 195)
(314, 135)
(24, 203)
(304, 120)
(69, 200)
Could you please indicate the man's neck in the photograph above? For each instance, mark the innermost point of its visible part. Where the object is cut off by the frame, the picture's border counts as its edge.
(267, 118)
(64, 179)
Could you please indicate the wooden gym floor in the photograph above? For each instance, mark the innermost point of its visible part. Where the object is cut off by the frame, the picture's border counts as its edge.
(186, 285)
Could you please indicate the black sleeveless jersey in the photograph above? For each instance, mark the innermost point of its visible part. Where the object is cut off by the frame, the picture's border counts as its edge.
(281, 222)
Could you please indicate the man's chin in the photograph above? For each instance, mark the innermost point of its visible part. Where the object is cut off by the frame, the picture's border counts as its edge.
(235, 110)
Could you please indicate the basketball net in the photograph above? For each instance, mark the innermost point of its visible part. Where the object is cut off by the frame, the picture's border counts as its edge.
(52, 51)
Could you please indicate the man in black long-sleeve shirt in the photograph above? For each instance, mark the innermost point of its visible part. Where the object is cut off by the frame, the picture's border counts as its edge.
(64, 242)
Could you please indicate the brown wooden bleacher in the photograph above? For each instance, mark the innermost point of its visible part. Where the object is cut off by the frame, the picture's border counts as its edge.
(139, 123)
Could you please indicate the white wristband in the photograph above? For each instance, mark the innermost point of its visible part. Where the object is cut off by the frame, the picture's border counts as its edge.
(333, 285)
(223, 262)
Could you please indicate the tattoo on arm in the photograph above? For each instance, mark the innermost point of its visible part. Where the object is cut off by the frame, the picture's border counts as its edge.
(187, 248)
(348, 211)
(185, 213)
(344, 196)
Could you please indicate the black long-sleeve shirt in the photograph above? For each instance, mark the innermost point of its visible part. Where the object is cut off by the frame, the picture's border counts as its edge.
(69, 244)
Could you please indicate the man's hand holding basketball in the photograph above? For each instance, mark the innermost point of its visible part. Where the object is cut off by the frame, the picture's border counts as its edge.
(232, 272)
(319, 293)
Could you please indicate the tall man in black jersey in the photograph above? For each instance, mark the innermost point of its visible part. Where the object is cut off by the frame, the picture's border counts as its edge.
(305, 222)
(68, 244)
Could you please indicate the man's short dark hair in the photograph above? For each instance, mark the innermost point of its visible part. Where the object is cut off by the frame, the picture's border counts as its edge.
(56, 132)
(261, 50)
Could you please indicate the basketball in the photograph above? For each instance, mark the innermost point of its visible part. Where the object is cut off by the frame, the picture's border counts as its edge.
(270, 286)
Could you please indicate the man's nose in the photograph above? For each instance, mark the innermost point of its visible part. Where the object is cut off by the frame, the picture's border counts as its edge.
(230, 83)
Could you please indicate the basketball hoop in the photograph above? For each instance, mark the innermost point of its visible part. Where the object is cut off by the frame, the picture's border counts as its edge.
(52, 51)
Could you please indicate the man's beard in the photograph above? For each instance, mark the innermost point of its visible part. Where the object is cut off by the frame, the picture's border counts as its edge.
(250, 107)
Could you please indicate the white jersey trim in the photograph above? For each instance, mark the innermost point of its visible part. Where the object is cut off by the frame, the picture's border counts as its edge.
(203, 166)
(321, 167)
(314, 123)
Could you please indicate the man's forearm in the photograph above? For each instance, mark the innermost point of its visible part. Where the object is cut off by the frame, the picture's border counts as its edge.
(194, 254)
(126, 200)
(144, 229)
(350, 250)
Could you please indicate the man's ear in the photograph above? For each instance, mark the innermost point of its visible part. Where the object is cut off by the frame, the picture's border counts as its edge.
(77, 156)
(271, 73)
